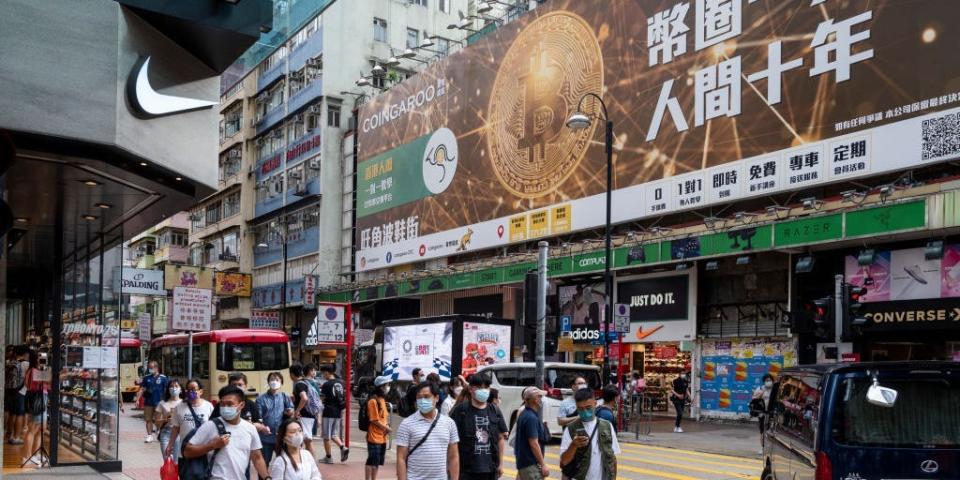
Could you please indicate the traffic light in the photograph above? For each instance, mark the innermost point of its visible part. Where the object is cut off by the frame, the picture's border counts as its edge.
(853, 317)
(816, 316)
(822, 311)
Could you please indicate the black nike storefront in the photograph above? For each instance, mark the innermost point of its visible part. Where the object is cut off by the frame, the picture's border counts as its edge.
(87, 162)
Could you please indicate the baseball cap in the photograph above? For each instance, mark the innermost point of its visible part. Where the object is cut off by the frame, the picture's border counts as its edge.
(531, 392)
(381, 381)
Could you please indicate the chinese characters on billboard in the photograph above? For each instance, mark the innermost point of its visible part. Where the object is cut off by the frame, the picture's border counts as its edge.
(713, 101)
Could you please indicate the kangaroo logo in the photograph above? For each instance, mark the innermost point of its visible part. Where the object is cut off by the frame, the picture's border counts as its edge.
(465, 240)
(440, 161)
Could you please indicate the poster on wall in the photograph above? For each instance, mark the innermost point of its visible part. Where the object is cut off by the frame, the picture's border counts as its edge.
(484, 344)
(730, 371)
(426, 346)
(906, 274)
(660, 309)
(863, 82)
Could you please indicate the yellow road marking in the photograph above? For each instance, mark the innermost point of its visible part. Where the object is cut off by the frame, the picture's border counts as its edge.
(679, 466)
(554, 469)
(695, 453)
(627, 449)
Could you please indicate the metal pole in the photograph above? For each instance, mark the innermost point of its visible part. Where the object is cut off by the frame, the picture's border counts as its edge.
(189, 355)
(348, 317)
(541, 310)
(283, 295)
(607, 278)
(620, 381)
(838, 314)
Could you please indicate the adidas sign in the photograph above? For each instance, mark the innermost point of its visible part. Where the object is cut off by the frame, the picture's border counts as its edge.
(585, 334)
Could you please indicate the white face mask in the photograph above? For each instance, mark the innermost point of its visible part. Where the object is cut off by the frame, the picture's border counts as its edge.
(296, 439)
(275, 385)
(768, 384)
(457, 391)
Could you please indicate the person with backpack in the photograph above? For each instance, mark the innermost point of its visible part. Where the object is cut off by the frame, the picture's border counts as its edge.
(607, 411)
(187, 416)
(334, 402)
(427, 440)
(291, 460)
(408, 403)
(374, 418)
(307, 405)
(480, 427)
(274, 407)
(17, 393)
(233, 441)
(589, 443)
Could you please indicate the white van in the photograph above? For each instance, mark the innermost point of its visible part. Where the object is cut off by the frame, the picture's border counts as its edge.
(511, 378)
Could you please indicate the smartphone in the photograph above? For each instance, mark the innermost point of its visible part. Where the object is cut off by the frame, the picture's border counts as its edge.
(581, 432)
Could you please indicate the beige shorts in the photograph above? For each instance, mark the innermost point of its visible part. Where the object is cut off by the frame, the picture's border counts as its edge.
(530, 473)
(148, 413)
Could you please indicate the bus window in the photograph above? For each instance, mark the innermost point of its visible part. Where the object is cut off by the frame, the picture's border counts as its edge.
(201, 361)
(234, 357)
(130, 355)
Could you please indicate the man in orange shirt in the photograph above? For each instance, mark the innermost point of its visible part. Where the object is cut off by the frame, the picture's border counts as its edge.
(379, 428)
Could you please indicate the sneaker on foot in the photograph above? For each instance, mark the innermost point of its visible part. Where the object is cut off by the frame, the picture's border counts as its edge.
(679, 430)
(37, 460)
(344, 453)
(328, 460)
(148, 439)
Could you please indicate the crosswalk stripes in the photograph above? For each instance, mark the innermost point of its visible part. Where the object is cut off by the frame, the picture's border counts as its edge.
(646, 462)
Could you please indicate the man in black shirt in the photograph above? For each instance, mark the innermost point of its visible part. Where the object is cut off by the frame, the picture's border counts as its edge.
(481, 428)
(334, 395)
(408, 405)
(249, 412)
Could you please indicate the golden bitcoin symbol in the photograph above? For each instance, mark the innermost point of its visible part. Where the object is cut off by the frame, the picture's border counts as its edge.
(550, 65)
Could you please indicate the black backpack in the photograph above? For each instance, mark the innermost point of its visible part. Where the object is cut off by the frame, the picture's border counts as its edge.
(199, 468)
(363, 416)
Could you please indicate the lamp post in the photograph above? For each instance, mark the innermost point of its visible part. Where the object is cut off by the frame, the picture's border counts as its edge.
(579, 121)
(283, 292)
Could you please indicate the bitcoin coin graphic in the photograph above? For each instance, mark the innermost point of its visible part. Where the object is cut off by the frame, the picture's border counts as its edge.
(550, 65)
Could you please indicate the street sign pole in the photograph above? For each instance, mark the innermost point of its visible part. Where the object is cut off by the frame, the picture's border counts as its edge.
(348, 317)
(189, 354)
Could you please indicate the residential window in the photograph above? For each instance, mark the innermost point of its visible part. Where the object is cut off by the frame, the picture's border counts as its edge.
(210, 253)
(443, 47)
(413, 38)
(196, 256)
(380, 81)
(196, 219)
(231, 205)
(230, 163)
(379, 30)
(213, 213)
(333, 116)
(445, 6)
(230, 245)
(422, 3)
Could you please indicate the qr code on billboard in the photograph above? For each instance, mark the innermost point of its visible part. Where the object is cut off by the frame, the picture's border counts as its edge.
(941, 136)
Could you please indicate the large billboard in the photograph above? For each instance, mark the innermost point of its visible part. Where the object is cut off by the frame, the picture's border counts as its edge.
(712, 101)
(907, 274)
(427, 346)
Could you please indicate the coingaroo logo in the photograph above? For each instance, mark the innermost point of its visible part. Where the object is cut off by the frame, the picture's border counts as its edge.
(147, 102)
(440, 162)
(929, 466)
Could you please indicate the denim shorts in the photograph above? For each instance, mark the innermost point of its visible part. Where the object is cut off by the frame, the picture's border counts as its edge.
(376, 454)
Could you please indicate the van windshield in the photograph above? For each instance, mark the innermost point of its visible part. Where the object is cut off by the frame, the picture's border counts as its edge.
(563, 377)
(924, 416)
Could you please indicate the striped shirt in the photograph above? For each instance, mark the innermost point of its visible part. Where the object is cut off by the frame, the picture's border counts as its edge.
(429, 461)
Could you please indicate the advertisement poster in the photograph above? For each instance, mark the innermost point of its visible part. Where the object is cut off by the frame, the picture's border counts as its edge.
(426, 346)
(700, 94)
(729, 379)
(186, 276)
(484, 344)
(907, 275)
(232, 284)
(139, 281)
(660, 307)
(192, 309)
(269, 319)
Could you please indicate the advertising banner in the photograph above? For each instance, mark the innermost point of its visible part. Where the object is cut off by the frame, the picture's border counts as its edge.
(662, 307)
(139, 281)
(186, 276)
(192, 309)
(329, 326)
(309, 292)
(584, 305)
(907, 275)
(731, 371)
(232, 284)
(426, 346)
(712, 102)
(269, 319)
(484, 344)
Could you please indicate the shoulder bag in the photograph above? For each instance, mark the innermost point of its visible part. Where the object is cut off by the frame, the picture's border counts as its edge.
(424, 439)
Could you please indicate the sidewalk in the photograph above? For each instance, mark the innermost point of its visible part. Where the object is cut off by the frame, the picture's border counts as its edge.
(737, 439)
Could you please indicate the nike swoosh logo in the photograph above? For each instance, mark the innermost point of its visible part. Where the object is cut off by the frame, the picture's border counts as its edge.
(151, 103)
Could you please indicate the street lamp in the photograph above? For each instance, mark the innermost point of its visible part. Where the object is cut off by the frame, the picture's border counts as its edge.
(579, 121)
(283, 293)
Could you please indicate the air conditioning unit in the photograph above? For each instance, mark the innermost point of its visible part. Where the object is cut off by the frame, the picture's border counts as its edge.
(262, 97)
(276, 133)
(253, 122)
(314, 164)
(277, 187)
(260, 142)
(296, 175)
(314, 62)
(315, 109)
(234, 153)
(298, 118)
(194, 217)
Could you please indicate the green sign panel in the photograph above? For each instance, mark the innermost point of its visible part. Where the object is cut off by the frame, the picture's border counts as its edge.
(515, 273)
(735, 241)
(491, 276)
(392, 178)
(589, 262)
(808, 230)
(636, 255)
(902, 216)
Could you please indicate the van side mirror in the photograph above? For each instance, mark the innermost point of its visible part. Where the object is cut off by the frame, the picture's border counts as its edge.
(881, 396)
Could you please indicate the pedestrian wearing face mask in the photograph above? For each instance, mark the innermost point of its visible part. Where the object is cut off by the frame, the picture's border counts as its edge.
(292, 461)
(589, 445)
(454, 390)
(232, 441)
(162, 419)
(568, 407)
(273, 406)
(188, 415)
(379, 429)
(480, 427)
(427, 441)
(762, 396)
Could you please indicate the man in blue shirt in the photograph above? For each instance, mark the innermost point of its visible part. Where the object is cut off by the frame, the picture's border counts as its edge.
(607, 411)
(152, 388)
(531, 437)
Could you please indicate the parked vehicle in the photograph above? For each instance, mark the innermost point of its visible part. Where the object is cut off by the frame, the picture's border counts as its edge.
(865, 421)
(511, 378)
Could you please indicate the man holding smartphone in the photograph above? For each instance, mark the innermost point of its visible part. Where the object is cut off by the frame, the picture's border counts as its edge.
(589, 443)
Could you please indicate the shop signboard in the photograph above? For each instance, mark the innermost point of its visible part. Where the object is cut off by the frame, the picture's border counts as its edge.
(139, 281)
(912, 315)
(229, 284)
(265, 319)
(145, 323)
(309, 292)
(192, 309)
(329, 326)
(484, 344)
(187, 276)
(423, 346)
(662, 307)
(584, 304)
(906, 274)
(846, 67)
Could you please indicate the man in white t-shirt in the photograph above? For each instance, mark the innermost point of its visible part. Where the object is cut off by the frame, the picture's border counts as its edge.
(233, 451)
(182, 421)
(591, 439)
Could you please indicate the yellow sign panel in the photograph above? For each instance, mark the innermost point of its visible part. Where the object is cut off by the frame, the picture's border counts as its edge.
(540, 223)
(518, 228)
(562, 219)
(565, 344)
(184, 276)
(128, 324)
(233, 284)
